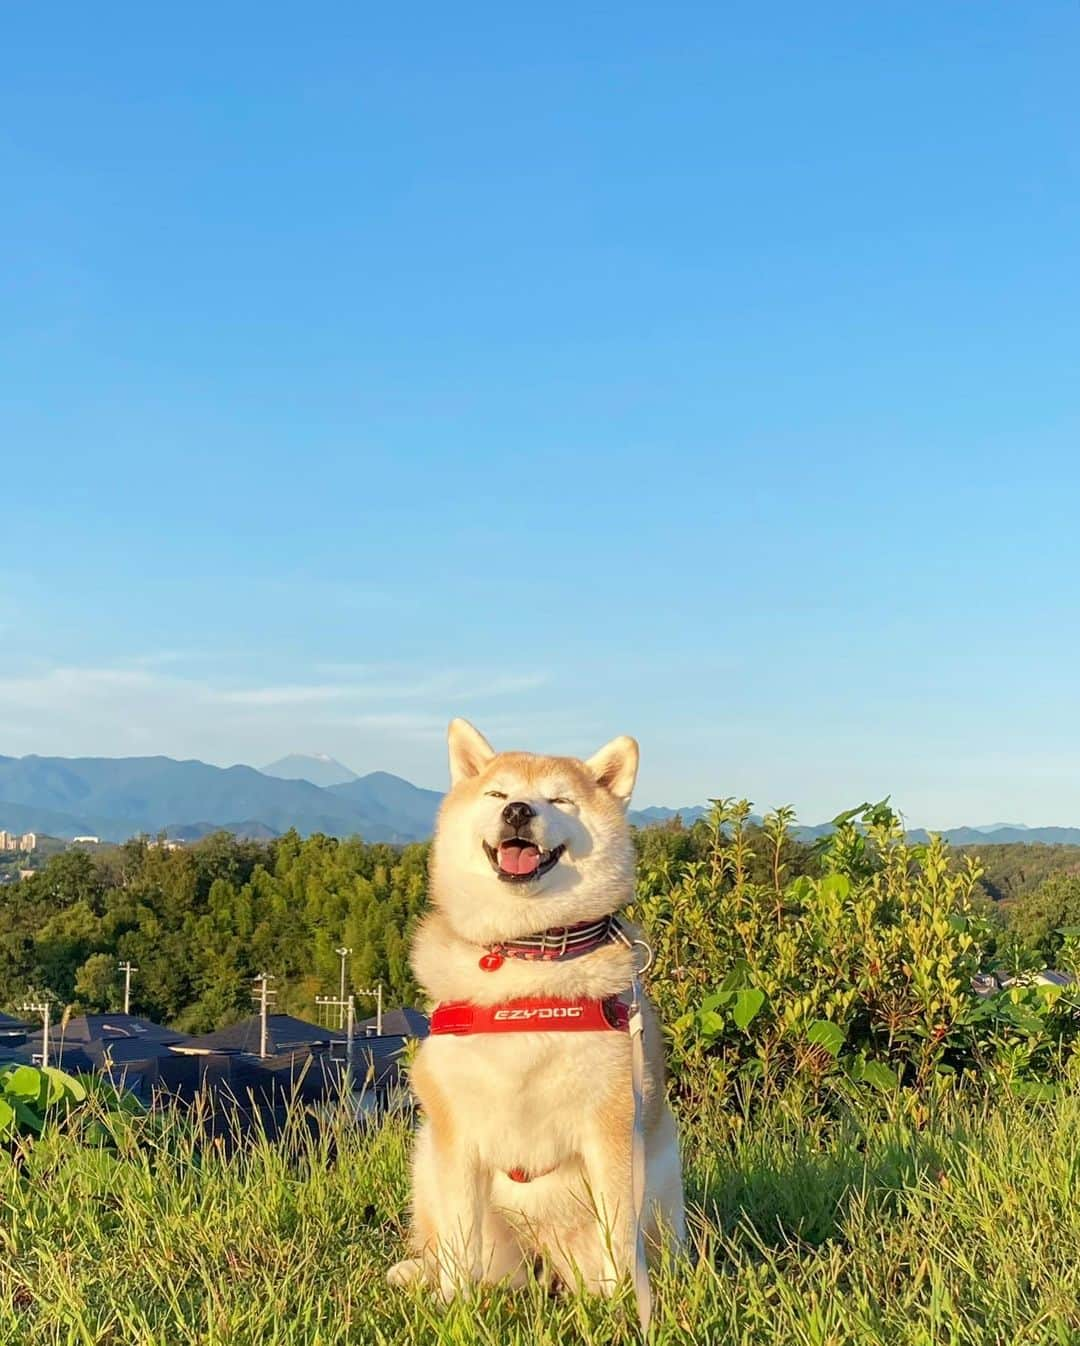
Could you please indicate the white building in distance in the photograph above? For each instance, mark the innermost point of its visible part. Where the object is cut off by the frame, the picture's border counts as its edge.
(16, 841)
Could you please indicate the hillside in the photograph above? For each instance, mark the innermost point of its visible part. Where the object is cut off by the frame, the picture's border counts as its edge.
(116, 797)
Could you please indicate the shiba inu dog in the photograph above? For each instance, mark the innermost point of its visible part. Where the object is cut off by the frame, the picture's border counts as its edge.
(524, 1152)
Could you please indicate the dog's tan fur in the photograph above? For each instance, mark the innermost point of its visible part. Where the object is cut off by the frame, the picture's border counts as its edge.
(536, 1101)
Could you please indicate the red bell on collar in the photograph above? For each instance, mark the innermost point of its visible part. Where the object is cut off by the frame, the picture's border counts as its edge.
(491, 962)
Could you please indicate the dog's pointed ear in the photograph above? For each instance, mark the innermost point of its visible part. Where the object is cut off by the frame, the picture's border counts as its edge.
(470, 751)
(615, 767)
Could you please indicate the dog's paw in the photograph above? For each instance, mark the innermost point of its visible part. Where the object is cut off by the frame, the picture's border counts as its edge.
(405, 1273)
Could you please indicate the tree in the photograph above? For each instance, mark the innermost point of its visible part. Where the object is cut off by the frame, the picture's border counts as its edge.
(1039, 917)
(96, 986)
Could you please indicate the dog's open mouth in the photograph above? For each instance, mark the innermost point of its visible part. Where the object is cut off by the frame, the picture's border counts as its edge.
(519, 861)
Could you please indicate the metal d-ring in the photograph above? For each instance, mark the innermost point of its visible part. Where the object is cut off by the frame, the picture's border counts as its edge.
(632, 944)
(642, 944)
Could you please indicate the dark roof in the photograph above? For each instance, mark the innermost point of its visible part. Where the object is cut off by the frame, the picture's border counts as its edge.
(376, 1059)
(10, 1025)
(85, 1028)
(284, 1034)
(72, 1056)
(403, 1023)
(124, 1051)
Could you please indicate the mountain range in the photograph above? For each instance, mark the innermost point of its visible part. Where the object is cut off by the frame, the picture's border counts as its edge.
(118, 797)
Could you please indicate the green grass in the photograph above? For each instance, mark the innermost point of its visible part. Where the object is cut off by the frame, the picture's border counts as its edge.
(866, 1230)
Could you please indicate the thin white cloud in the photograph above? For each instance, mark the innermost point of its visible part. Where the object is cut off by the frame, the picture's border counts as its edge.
(456, 686)
(287, 695)
(145, 706)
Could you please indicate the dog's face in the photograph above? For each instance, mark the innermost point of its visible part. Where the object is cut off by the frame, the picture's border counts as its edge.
(526, 842)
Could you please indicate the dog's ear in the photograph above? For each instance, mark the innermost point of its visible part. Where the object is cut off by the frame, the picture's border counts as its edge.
(470, 751)
(615, 767)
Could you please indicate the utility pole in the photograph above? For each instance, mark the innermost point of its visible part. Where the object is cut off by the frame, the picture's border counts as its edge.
(262, 982)
(342, 953)
(375, 991)
(44, 1010)
(127, 968)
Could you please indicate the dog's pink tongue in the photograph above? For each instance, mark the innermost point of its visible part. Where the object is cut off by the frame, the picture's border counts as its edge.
(518, 859)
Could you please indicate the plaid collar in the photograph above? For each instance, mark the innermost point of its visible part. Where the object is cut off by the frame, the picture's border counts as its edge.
(560, 943)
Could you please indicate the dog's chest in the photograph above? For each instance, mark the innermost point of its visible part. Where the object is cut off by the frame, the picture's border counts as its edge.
(537, 1088)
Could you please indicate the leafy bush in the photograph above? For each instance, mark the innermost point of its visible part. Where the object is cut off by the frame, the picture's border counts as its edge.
(89, 1109)
(31, 1095)
(858, 976)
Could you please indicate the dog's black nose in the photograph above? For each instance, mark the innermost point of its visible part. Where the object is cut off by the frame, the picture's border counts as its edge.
(518, 813)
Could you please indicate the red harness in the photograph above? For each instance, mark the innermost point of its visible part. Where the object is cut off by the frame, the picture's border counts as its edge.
(548, 1015)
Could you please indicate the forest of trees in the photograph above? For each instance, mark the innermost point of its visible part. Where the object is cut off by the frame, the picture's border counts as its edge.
(201, 922)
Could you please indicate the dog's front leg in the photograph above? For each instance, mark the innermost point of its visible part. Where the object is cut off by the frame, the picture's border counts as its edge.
(464, 1196)
(606, 1156)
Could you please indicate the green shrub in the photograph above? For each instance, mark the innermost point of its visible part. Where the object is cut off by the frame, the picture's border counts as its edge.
(32, 1095)
(857, 977)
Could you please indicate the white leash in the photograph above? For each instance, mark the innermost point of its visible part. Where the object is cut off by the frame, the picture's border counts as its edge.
(636, 1026)
(642, 1289)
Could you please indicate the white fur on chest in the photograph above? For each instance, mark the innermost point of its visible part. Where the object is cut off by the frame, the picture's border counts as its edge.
(522, 1099)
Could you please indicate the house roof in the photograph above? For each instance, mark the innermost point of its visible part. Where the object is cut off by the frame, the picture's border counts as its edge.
(404, 1023)
(124, 1051)
(85, 1028)
(72, 1056)
(284, 1034)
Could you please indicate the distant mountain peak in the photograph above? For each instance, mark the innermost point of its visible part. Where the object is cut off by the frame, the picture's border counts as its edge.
(318, 768)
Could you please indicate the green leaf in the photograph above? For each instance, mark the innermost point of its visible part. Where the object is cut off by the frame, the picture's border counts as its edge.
(846, 817)
(880, 1076)
(62, 1085)
(835, 886)
(25, 1082)
(711, 1023)
(1024, 1019)
(27, 1116)
(747, 1004)
(828, 1036)
(1038, 1091)
(737, 977)
(7, 1117)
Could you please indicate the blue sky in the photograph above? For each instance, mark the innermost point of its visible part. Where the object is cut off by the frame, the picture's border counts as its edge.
(707, 373)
